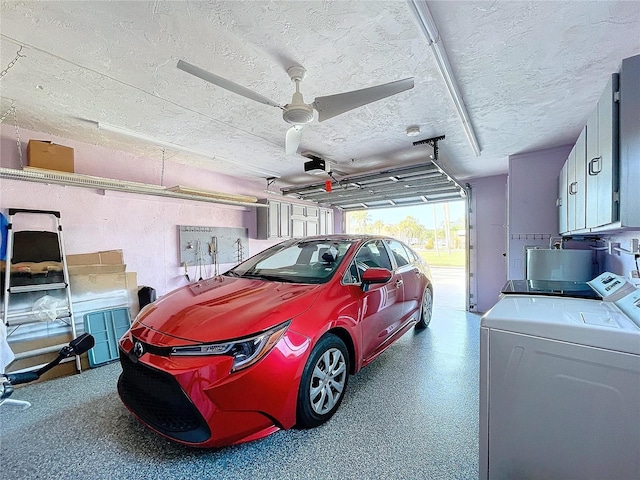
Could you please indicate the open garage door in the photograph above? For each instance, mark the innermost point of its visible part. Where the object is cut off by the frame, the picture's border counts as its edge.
(417, 184)
(437, 232)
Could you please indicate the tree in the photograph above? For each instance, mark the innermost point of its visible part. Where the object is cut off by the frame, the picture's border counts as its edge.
(378, 227)
(410, 229)
(359, 221)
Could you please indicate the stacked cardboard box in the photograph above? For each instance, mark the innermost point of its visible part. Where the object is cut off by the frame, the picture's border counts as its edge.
(99, 280)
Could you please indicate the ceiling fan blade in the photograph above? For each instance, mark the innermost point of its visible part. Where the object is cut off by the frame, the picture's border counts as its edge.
(292, 141)
(332, 105)
(224, 83)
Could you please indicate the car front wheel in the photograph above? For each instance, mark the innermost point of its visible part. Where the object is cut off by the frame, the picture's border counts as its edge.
(426, 309)
(323, 382)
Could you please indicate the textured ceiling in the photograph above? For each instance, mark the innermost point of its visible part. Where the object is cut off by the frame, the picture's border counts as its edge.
(530, 73)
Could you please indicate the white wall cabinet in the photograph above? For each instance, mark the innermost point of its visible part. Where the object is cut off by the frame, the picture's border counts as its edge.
(284, 220)
(274, 222)
(305, 221)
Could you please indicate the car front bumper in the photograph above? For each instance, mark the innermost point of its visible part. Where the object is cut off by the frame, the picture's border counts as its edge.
(196, 400)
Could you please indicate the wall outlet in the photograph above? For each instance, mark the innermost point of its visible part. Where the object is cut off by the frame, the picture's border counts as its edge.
(612, 248)
(635, 245)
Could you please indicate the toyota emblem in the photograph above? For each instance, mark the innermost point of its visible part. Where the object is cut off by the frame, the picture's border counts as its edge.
(138, 349)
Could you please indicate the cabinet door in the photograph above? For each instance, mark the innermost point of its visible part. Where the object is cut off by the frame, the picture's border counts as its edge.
(602, 159)
(572, 190)
(329, 222)
(312, 228)
(298, 228)
(284, 220)
(580, 211)
(273, 220)
(562, 199)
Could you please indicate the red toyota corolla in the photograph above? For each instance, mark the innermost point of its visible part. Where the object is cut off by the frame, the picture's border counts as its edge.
(270, 344)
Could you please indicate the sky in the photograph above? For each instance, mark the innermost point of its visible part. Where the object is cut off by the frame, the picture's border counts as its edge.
(423, 213)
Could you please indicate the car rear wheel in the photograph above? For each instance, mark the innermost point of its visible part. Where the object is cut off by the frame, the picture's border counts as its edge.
(323, 383)
(426, 309)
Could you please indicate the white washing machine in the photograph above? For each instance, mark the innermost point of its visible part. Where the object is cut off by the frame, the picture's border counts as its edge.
(560, 384)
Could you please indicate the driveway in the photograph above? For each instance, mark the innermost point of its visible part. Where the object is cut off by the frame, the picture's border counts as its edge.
(449, 287)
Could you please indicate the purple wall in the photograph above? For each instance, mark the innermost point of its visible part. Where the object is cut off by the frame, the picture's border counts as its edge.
(488, 239)
(532, 211)
(144, 227)
(621, 264)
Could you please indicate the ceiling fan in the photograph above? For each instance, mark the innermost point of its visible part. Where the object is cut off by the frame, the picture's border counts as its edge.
(298, 113)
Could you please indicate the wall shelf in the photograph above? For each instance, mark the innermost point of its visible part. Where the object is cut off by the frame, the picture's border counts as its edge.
(87, 181)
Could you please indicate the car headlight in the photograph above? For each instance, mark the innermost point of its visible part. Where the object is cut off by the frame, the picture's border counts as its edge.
(245, 351)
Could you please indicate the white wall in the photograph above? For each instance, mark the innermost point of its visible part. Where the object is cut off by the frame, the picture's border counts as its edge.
(532, 211)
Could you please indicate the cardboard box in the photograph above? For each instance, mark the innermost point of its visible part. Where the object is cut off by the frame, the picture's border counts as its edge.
(50, 156)
(107, 257)
(96, 269)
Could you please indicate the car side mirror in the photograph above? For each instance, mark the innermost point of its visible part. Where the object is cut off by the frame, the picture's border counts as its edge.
(375, 275)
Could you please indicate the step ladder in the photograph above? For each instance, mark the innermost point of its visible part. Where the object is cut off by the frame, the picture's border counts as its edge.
(64, 314)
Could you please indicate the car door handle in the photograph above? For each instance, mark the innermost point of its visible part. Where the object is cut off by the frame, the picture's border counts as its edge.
(399, 282)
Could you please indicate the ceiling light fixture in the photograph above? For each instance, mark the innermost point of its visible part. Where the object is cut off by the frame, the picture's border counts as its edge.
(174, 146)
(428, 27)
(413, 131)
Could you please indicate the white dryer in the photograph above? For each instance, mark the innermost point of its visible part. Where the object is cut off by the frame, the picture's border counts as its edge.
(560, 386)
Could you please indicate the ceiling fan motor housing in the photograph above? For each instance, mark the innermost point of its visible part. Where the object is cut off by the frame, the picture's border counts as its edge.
(298, 113)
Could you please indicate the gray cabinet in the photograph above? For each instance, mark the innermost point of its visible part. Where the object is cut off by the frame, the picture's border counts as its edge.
(629, 150)
(563, 188)
(611, 168)
(602, 159)
(576, 180)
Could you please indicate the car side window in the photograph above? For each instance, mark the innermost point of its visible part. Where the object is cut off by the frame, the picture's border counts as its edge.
(373, 254)
(399, 253)
(351, 275)
(412, 255)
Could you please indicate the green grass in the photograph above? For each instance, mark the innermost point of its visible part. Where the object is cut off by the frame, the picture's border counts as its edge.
(454, 258)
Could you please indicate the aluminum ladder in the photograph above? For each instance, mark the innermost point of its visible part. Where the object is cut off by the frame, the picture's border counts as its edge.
(67, 311)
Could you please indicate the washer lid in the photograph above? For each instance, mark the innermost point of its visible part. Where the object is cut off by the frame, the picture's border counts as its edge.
(586, 322)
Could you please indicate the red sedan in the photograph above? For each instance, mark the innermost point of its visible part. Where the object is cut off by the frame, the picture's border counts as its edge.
(270, 344)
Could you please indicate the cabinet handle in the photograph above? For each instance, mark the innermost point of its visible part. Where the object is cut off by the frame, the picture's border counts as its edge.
(573, 188)
(592, 166)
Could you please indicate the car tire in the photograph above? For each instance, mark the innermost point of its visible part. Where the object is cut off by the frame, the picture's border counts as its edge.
(324, 381)
(426, 309)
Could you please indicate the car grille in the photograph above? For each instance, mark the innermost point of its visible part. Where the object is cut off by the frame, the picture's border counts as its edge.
(157, 398)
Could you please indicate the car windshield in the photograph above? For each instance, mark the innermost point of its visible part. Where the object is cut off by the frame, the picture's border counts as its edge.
(302, 261)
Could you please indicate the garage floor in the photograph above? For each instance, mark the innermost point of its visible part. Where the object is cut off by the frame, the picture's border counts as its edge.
(412, 414)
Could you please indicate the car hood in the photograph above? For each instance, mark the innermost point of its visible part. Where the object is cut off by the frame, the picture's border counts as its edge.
(223, 308)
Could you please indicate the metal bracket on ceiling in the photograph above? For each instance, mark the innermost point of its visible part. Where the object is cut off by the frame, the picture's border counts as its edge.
(433, 142)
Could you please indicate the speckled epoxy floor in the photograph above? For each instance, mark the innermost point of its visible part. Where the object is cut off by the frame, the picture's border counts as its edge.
(412, 414)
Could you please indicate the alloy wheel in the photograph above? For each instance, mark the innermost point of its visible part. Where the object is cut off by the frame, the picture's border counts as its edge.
(328, 381)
